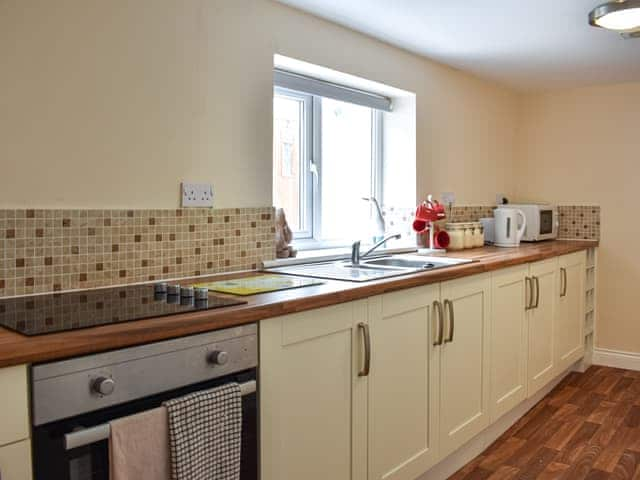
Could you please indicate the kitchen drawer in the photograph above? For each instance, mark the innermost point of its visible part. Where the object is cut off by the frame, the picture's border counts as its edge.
(15, 461)
(14, 414)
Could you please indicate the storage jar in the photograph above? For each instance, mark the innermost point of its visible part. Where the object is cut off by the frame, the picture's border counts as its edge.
(456, 233)
(478, 235)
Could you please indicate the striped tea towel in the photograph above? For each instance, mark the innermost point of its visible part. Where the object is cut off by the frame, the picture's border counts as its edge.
(205, 434)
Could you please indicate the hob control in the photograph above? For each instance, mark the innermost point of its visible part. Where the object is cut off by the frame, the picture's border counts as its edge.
(173, 290)
(201, 293)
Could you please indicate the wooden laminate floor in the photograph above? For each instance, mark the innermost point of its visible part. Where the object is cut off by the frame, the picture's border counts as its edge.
(588, 427)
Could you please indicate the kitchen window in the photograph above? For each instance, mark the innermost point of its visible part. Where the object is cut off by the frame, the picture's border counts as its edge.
(327, 159)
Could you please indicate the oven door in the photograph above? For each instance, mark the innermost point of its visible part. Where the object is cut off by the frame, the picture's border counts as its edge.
(91, 462)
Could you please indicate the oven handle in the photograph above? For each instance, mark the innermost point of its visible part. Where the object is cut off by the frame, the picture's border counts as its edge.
(87, 436)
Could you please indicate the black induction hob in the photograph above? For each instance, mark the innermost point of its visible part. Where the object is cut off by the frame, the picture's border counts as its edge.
(58, 312)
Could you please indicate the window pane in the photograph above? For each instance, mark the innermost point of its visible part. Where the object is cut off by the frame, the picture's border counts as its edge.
(347, 173)
(288, 114)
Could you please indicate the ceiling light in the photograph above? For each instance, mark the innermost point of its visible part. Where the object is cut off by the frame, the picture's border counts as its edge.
(619, 15)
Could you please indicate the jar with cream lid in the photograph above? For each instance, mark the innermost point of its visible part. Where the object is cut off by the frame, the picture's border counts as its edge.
(478, 235)
(456, 233)
(469, 232)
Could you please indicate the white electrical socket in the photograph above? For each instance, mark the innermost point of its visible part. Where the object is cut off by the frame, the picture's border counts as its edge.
(197, 195)
(448, 198)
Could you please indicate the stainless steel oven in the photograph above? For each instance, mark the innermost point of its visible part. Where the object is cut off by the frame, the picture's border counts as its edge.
(74, 400)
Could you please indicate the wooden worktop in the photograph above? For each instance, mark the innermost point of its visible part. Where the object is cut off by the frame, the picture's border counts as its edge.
(17, 349)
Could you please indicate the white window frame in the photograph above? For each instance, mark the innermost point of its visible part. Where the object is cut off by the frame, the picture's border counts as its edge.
(306, 151)
(310, 237)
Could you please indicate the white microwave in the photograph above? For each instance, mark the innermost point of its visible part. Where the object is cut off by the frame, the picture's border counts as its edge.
(542, 221)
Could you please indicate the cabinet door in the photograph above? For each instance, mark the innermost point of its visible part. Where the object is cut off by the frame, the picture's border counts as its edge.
(14, 414)
(312, 401)
(570, 296)
(464, 362)
(15, 461)
(508, 339)
(403, 383)
(541, 365)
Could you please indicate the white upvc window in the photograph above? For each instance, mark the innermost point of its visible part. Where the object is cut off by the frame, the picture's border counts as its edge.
(327, 159)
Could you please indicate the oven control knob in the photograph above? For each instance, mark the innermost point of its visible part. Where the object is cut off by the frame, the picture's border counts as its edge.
(103, 385)
(218, 358)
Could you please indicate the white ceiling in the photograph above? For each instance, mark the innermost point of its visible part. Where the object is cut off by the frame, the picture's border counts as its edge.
(525, 44)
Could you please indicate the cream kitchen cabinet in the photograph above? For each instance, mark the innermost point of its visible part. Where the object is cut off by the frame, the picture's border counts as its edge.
(403, 383)
(15, 461)
(570, 309)
(428, 385)
(464, 361)
(509, 338)
(522, 334)
(15, 446)
(385, 388)
(313, 394)
(375, 389)
(541, 365)
(14, 414)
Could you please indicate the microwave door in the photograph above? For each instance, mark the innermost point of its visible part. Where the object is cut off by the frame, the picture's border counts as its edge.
(546, 222)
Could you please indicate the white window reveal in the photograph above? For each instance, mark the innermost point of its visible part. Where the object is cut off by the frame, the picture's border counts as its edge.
(327, 159)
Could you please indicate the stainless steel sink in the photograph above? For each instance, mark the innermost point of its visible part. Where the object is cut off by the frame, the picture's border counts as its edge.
(373, 269)
(340, 271)
(401, 262)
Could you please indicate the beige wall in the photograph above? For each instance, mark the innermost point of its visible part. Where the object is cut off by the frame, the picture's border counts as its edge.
(583, 146)
(109, 104)
(113, 103)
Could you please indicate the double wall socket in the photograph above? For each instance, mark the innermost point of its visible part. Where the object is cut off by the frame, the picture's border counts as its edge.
(197, 195)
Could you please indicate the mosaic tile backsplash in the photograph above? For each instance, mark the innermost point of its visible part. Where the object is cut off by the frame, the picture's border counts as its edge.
(52, 250)
(400, 220)
(471, 213)
(579, 222)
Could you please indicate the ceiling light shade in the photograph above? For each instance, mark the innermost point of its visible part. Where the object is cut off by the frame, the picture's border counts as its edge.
(619, 15)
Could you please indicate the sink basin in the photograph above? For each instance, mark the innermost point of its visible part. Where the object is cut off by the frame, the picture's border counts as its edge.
(402, 263)
(340, 271)
(371, 269)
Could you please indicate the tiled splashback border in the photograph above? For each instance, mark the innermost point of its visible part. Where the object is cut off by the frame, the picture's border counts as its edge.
(471, 213)
(50, 250)
(399, 220)
(577, 222)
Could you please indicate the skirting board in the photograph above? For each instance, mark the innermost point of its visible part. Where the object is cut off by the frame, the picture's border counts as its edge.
(484, 439)
(617, 359)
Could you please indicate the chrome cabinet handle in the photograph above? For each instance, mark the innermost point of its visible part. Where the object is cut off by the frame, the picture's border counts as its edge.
(563, 281)
(367, 350)
(537, 304)
(437, 306)
(452, 320)
(528, 285)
